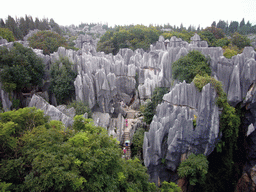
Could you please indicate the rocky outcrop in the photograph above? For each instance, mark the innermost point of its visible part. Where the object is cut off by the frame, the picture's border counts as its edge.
(172, 133)
(4, 96)
(49, 110)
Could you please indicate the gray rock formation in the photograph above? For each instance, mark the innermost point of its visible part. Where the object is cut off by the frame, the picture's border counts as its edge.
(172, 133)
(49, 110)
(4, 96)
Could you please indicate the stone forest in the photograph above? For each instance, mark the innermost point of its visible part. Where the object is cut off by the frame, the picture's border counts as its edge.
(183, 127)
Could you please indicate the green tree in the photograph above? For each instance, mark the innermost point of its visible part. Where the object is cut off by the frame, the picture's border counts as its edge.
(233, 27)
(240, 40)
(48, 41)
(208, 36)
(62, 80)
(7, 34)
(170, 187)
(132, 37)
(137, 143)
(20, 68)
(222, 42)
(187, 67)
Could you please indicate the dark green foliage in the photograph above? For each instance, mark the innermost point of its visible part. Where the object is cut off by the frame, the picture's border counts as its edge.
(156, 99)
(184, 35)
(80, 107)
(48, 41)
(169, 187)
(62, 80)
(240, 41)
(221, 161)
(20, 68)
(194, 168)
(137, 142)
(132, 37)
(45, 156)
(208, 36)
(187, 67)
(4, 186)
(6, 34)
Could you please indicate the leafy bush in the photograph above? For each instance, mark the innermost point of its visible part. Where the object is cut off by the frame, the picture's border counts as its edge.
(6, 34)
(194, 168)
(208, 36)
(150, 108)
(81, 108)
(20, 68)
(187, 67)
(229, 53)
(62, 80)
(48, 41)
(240, 41)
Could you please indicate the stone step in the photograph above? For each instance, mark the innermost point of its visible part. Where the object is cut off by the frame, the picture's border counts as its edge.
(130, 114)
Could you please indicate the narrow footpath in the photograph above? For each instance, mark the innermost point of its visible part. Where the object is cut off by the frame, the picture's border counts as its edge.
(127, 129)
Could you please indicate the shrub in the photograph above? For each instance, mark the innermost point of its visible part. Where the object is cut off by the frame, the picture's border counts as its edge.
(48, 41)
(187, 67)
(240, 40)
(6, 34)
(62, 80)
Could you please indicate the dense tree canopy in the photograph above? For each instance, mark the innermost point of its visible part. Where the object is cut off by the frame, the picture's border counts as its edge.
(41, 155)
(20, 68)
(48, 41)
(62, 80)
(132, 37)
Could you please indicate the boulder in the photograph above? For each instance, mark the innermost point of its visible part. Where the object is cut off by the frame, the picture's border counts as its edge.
(51, 111)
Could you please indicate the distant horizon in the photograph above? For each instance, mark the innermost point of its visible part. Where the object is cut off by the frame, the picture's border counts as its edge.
(113, 25)
(114, 12)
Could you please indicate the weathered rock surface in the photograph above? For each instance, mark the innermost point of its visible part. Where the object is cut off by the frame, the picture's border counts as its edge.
(49, 110)
(172, 133)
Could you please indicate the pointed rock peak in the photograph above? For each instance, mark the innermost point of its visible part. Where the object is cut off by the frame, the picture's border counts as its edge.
(196, 37)
(161, 38)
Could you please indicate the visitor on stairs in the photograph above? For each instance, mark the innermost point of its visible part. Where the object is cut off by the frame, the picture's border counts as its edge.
(126, 123)
(124, 150)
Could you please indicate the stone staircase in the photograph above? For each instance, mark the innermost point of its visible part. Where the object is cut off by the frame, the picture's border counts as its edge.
(130, 117)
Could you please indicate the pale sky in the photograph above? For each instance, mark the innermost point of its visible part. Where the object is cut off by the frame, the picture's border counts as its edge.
(197, 12)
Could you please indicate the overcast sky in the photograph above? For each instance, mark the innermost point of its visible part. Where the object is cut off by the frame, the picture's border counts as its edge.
(118, 12)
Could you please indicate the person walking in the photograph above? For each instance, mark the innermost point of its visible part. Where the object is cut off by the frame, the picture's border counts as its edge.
(124, 150)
